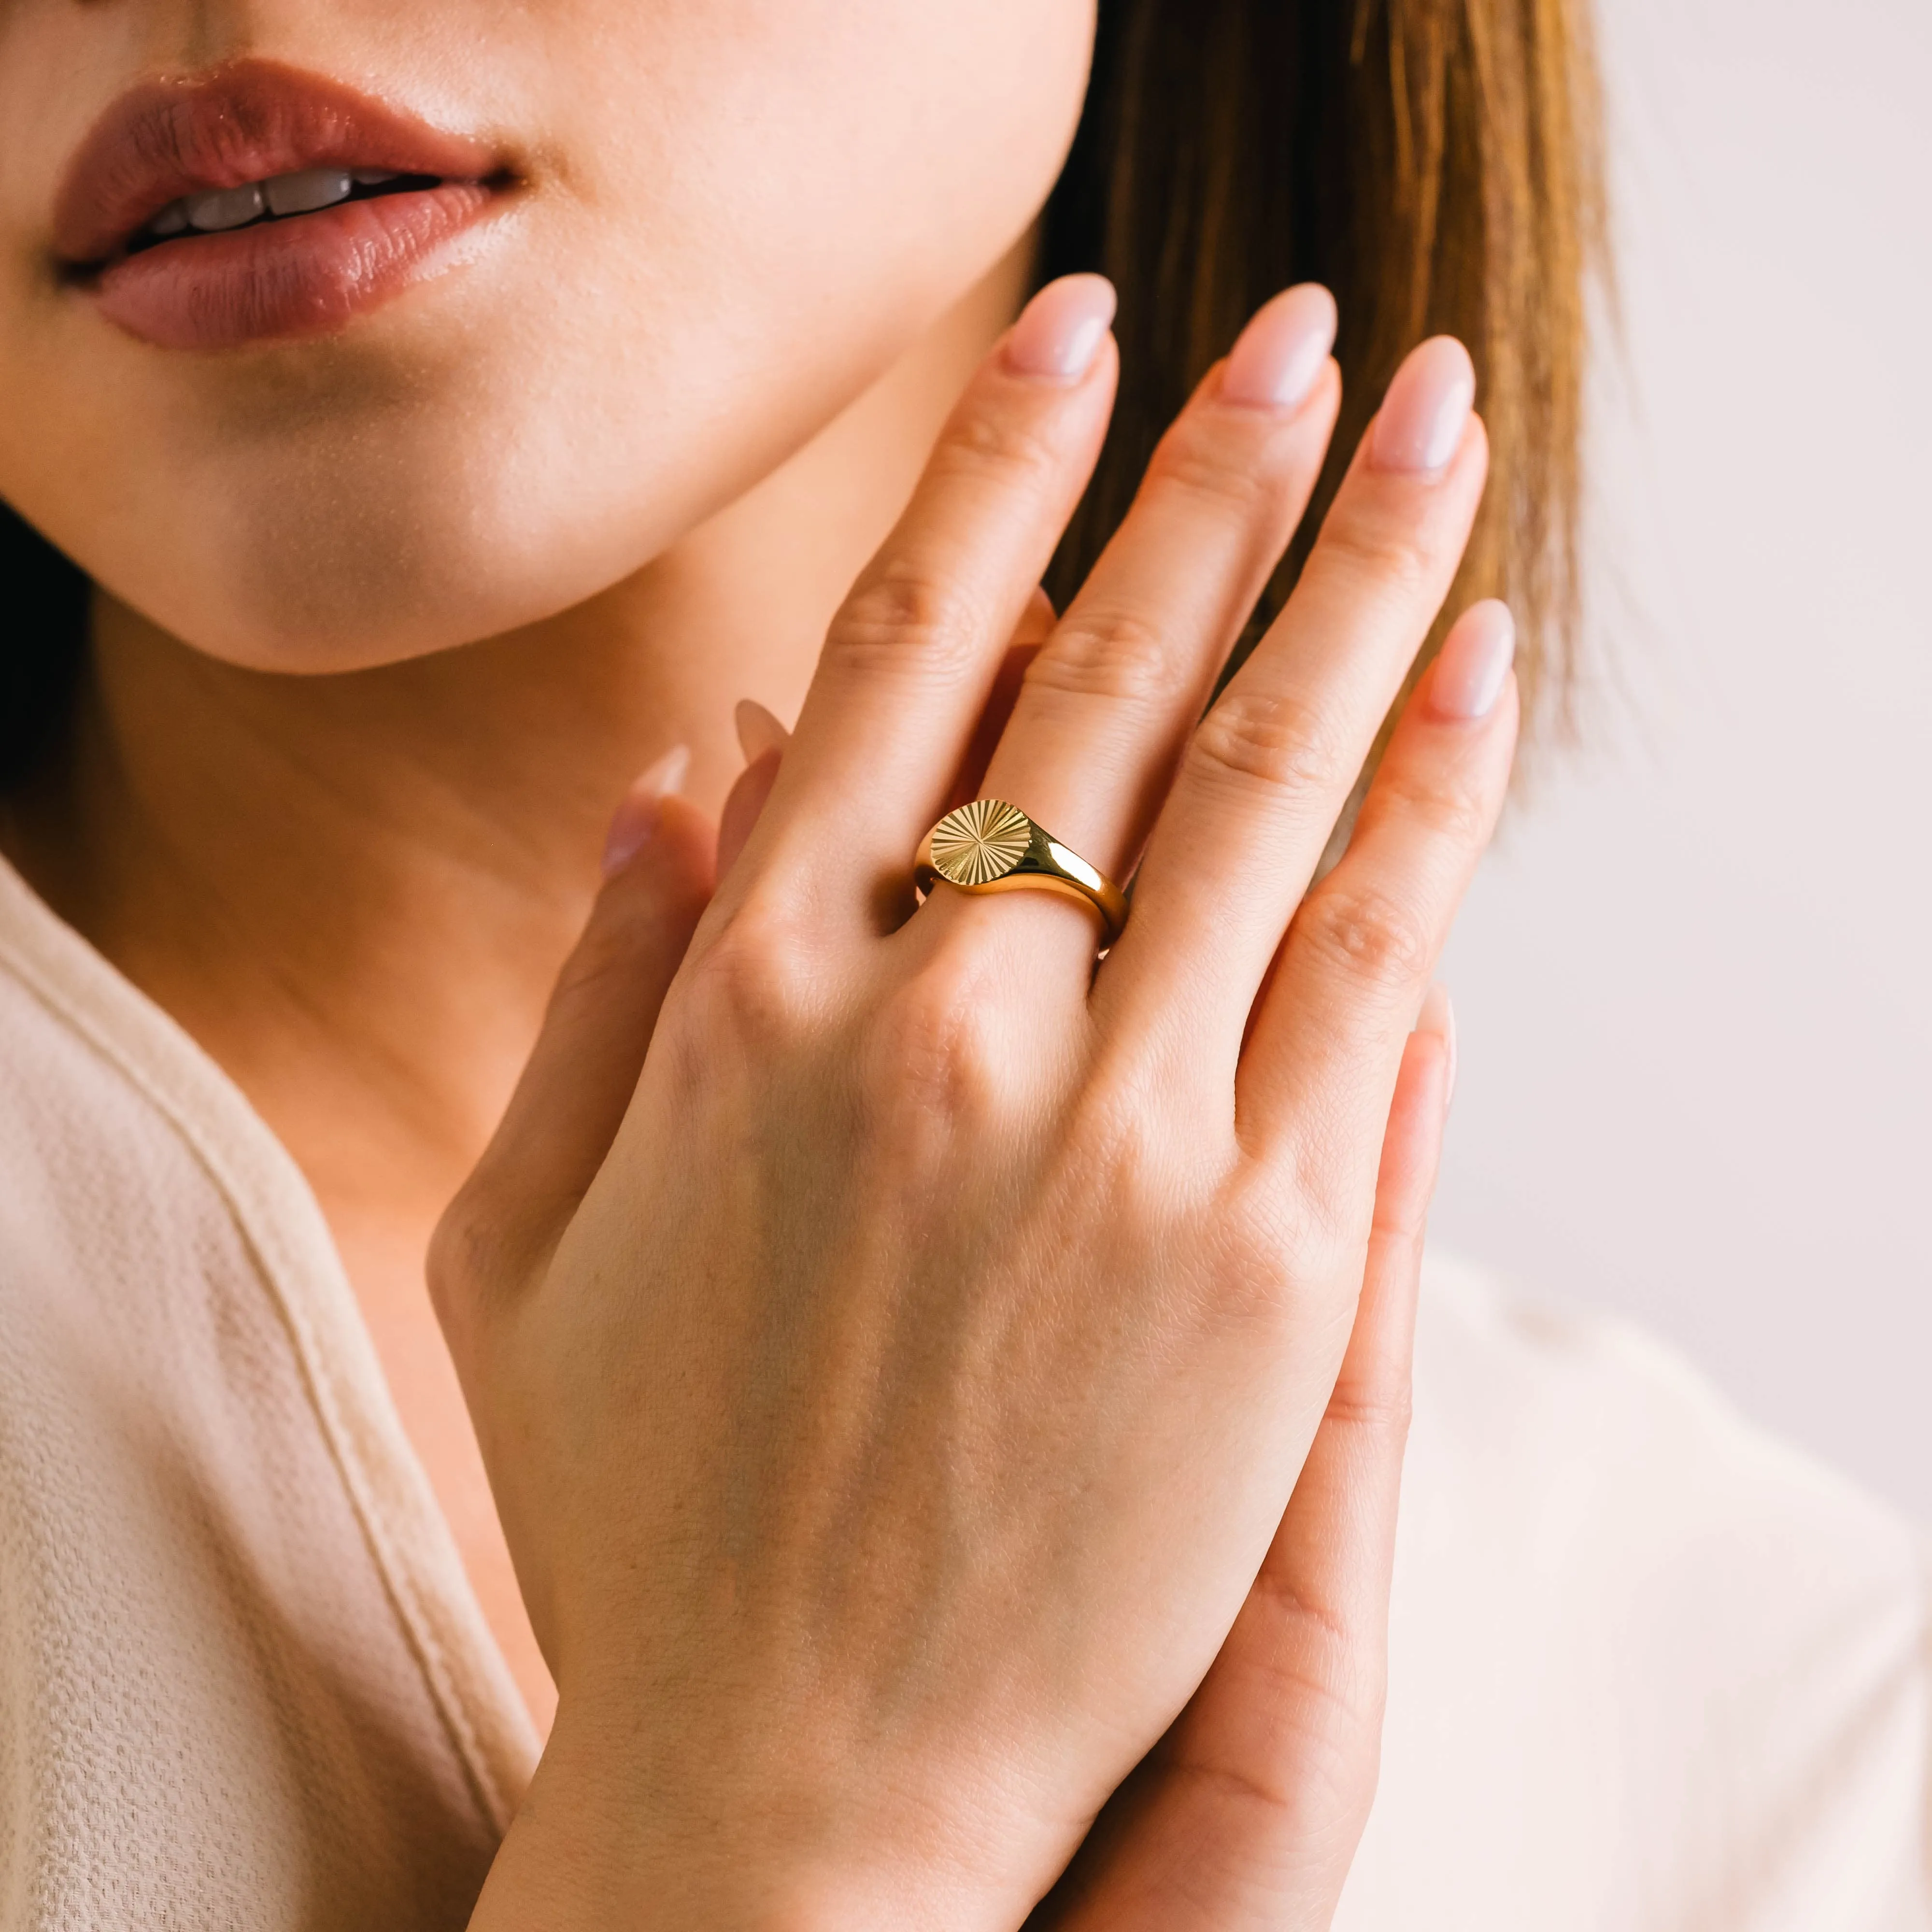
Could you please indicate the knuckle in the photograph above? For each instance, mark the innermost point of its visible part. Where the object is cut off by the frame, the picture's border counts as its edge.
(753, 986)
(996, 442)
(1367, 933)
(1444, 807)
(1378, 552)
(937, 1051)
(1277, 740)
(1383, 1415)
(1123, 1126)
(1198, 459)
(901, 614)
(1111, 653)
(1312, 1207)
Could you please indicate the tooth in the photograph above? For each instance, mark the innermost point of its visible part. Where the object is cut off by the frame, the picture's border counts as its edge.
(313, 188)
(226, 207)
(372, 177)
(171, 220)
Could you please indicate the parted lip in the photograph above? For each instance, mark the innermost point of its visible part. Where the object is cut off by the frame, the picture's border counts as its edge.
(247, 121)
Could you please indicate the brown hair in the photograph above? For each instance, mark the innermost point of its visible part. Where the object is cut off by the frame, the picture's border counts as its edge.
(1434, 162)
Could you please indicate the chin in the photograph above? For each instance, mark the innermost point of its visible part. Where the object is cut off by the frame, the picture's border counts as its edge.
(467, 465)
(317, 379)
(377, 560)
(433, 479)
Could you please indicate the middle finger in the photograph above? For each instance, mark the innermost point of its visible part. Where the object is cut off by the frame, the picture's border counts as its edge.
(1108, 703)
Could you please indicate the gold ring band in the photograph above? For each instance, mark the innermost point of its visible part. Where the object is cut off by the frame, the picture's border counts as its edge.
(990, 846)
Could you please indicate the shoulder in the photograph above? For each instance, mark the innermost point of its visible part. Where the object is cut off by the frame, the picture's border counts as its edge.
(1649, 1666)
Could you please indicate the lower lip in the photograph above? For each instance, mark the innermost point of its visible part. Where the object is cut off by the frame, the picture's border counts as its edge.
(306, 275)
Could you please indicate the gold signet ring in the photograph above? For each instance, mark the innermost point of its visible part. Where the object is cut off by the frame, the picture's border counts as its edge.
(990, 846)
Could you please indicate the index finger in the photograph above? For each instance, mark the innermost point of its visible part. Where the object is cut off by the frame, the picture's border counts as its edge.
(910, 658)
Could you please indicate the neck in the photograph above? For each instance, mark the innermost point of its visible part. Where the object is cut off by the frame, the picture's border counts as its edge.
(356, 890)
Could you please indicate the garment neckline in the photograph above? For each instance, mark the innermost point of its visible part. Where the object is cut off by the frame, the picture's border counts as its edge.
(280, 1220)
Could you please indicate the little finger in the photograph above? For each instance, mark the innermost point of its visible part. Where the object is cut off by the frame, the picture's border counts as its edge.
(1314, 1080)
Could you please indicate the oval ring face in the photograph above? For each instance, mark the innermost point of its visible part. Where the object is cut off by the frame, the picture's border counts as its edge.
(980, 842)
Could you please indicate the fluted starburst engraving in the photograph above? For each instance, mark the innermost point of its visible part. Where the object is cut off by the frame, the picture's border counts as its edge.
(980, 842)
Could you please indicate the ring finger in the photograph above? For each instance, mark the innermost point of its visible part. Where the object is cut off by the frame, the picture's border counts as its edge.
(1109, 701)
(1268, 772)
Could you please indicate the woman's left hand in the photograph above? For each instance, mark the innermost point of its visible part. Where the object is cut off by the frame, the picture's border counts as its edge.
(1249, 1812)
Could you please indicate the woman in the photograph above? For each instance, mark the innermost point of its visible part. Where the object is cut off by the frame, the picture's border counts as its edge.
(936, 1391)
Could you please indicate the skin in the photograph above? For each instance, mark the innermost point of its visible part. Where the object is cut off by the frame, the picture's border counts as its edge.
(357, 890)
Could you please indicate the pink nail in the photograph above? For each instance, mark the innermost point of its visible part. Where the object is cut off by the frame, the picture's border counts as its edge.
(1474, 663)
(1439, 1016)
(758, 731)
(1060, 331)
(636, 817)
(1282, 350)
(1426, 409)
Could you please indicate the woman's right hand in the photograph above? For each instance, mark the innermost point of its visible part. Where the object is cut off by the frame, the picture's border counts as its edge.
(891, 1398)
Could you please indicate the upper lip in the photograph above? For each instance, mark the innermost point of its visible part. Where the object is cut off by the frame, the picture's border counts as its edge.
(247, 121)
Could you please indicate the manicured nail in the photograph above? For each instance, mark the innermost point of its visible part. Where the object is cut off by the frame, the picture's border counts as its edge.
(1060, 331)
(1439, 1016)
(636, 817)
(1474, 664)
(1426, 409)
(758, 731)
(1282, 350)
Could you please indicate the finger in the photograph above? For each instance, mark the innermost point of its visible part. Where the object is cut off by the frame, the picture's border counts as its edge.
(1265, 776)
(578, 1081)
(910, 658)
(1323, 1049)
(759, 730)
(763, 739)
(1110, 701)
(1249, 1812)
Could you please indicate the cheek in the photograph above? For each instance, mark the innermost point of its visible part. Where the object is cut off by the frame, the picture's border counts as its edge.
(739, 213)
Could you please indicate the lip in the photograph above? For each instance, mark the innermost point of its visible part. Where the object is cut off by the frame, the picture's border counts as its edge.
(247, 121)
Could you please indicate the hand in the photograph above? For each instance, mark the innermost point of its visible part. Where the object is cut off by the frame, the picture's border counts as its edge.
(891, 1406)
(1248, 1811)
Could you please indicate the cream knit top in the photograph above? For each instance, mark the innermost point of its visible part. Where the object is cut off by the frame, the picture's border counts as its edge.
(1650, 1671)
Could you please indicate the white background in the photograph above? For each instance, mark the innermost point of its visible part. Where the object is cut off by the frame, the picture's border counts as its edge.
(1695, 1011)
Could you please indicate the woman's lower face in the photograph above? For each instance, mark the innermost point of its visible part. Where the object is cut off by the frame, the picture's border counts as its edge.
(334, 334)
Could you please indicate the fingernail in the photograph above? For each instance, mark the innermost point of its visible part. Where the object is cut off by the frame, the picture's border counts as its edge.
(758, 731)
(1439, 1016)
(1282, 350)
(1426, 409)
(636, 817)
(1060, 331)
(1474, 664)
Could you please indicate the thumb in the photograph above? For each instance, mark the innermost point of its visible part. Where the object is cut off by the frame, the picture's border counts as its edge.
(575, 1087)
